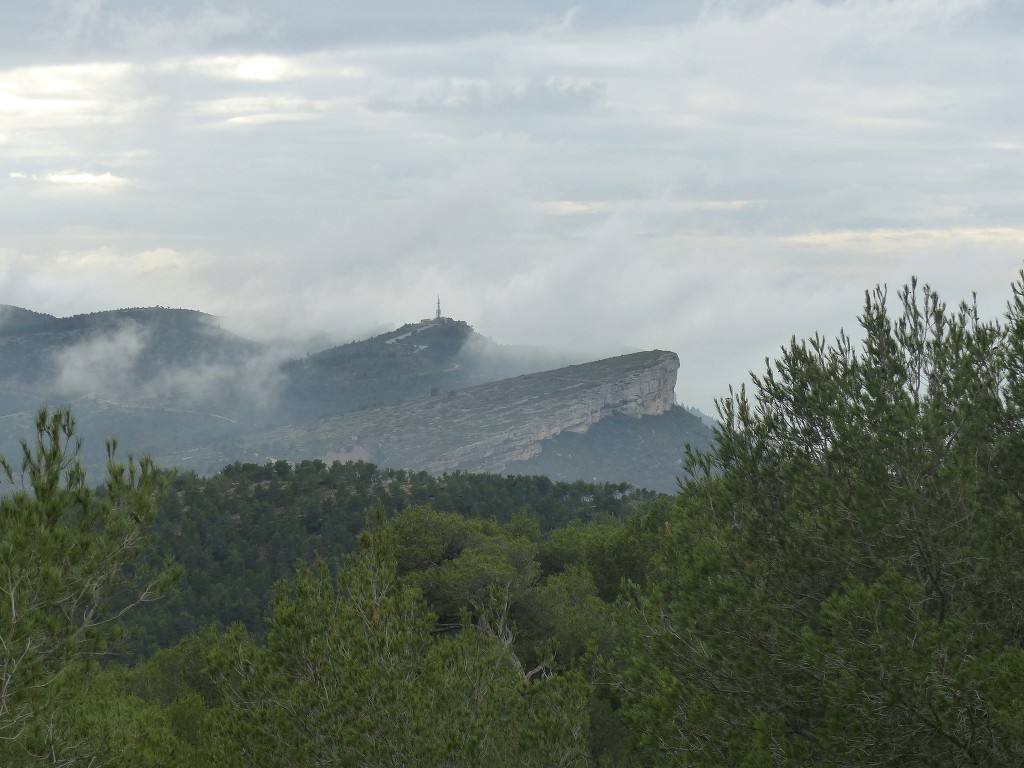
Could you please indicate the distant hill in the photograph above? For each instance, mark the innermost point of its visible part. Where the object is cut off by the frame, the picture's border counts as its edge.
(412, 361)
(154, 377)
(121, 351)
(432, 395)
(15, 320)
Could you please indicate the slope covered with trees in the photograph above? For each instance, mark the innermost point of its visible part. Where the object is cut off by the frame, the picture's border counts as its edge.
(838, 584)
(238, 532)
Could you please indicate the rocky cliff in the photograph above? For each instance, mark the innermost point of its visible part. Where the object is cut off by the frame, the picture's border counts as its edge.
(483, 428)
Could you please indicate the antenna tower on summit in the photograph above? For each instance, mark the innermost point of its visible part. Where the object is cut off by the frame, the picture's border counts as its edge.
(438, 315)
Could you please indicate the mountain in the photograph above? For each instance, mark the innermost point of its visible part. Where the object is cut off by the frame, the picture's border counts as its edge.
(613, 420)
(609, 419)
(431, 395)
(173, 327)
(125, 351)
(154, 377)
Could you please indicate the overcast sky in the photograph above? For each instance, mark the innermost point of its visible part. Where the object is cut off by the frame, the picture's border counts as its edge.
(705, 176)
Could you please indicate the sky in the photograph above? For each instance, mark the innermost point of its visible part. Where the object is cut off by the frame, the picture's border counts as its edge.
(710, 177)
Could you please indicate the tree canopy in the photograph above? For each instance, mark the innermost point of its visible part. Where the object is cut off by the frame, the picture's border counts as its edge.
(840, 583)
(72, 562)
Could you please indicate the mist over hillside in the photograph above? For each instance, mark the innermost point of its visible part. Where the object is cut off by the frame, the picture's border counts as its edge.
(175, 384)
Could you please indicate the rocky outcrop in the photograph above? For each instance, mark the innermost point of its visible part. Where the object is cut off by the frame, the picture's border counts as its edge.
(542, 406)
(482, 428)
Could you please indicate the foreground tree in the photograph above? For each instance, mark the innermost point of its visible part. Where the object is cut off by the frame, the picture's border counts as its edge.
(73, 560)
(840, 584)
(354, 672)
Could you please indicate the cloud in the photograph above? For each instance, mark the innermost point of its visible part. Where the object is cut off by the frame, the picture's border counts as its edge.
(564, 23)
(237, 386)
(260, 110)
(256, 68)
(110, 25)
(82, 180)
(126, 366)
(103, 277)
(71, 114)
(549, 95)
(99, 364)
(909, 239)
(76, 19)
(74, 94)
(76, 264)
(574, 207)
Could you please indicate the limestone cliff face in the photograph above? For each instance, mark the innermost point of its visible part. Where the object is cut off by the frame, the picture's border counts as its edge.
(580, 396)
(482, 428)
(645, 391)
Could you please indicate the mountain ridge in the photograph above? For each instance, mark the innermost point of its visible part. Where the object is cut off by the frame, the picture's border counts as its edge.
(484, 426)
(432, 395)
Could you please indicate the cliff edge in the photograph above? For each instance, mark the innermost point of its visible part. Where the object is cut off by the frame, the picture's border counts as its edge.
(483, 428)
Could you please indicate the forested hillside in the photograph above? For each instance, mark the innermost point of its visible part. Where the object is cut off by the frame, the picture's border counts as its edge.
(838, 584)
(238, 532)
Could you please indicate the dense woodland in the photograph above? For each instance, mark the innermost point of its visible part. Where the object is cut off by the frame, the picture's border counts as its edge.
(838, 583)
(237, 533)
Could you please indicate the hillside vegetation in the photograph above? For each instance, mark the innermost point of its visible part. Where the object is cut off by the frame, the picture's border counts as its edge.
(240, 531)
(837, 584)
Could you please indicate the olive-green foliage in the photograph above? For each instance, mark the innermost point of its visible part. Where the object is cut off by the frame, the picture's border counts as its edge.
(612, 549)
(441, 644)
(240, 531)
(490, 575)
(353, 673)
(457, 563)
(93, 720)
(840, 584)
(72, 562)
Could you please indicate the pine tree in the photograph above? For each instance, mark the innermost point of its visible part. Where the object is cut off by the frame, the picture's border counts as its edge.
(73, 560)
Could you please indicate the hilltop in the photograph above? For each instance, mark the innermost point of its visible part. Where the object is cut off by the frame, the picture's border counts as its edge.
(114, 351)
(430, 357)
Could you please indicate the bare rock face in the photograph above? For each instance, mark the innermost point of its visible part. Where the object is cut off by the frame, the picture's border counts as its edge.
(482, 428)
(569, 399)
(646, 391)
